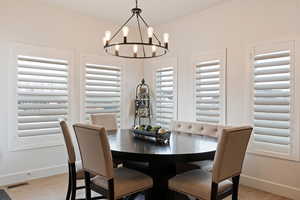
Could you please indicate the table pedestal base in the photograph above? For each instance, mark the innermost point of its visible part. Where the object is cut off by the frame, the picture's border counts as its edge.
(161, 172)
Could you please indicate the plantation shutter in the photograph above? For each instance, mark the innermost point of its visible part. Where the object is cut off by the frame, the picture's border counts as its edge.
(102, 90)
(42, 95)
(164, 105)
(210, 91)
(272, 100)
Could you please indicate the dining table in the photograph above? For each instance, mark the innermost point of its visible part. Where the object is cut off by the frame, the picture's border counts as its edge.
(162, 160)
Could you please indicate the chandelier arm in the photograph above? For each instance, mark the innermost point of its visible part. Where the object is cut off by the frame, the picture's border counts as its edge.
(119, 30)
(147, 25)
(141, 36)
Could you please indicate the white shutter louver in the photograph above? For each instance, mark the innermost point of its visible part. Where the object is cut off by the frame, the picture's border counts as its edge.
(165, 102)
(42, 95)
(272, 91)
(208, 92)
(102, 90)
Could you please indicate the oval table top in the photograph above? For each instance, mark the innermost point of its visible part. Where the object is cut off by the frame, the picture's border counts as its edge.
(182, 146)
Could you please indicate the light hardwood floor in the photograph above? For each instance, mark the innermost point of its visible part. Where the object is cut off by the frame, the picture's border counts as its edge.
(54, 188)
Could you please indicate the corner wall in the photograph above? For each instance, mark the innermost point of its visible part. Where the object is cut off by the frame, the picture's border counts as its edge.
(236, 24)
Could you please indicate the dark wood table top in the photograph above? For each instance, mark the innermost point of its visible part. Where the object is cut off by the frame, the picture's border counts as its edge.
(182, 146)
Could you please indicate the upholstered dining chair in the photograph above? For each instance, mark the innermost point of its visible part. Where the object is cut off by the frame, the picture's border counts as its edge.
(74, 174)
(107, 120)
(228, 164)
(114, 183)
(197, 128)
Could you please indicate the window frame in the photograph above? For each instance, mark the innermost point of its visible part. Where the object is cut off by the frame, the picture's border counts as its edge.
(159, 71)
(267, 47)
(155, 66)
(208, 56)
(16, 143)
(101, 60)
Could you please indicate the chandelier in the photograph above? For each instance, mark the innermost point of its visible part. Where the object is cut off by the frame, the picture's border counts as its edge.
(144, 47)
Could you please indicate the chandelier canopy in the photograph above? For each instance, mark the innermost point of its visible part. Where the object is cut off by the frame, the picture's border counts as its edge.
(149, 47)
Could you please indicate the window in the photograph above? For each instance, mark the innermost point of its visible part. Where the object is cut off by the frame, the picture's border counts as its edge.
(102, 89)
(273, 100)
(164, 91)
(210, 88)
(41, 96)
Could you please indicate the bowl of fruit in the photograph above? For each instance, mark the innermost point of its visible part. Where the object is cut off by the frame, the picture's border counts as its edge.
(156, 133)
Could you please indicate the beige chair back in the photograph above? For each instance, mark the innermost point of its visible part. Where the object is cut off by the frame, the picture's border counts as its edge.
(107, 120)
(212, 130)
(181, 126)
(197, 128)
(94, 150)
(230, 153)
(68, 141)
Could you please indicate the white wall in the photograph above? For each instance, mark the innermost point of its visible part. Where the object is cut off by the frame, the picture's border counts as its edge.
(35, 23)
(235, 25)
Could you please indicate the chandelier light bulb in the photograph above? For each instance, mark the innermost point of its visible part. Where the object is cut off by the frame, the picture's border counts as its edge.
(150, 32)
(166, 37)
(153, 48)
(125, 31)
(117, 49)
(166, 40)
(107, 35)
(135, 48)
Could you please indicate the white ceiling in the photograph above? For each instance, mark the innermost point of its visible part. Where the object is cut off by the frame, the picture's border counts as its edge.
(155, 11)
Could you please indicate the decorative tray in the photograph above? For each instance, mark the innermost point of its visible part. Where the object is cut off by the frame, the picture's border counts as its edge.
(162, 138)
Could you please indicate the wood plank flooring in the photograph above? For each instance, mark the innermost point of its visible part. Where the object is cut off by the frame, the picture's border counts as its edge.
(54, 188)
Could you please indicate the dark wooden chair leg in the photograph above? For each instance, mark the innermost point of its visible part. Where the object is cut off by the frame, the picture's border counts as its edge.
(214, 191)
(148, 194)
(87, 179)
(235, 187)
(171, 195)
(111, 190)
(69, 184)
(74, 181)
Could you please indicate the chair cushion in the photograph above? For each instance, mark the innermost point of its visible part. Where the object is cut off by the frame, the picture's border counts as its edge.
(196, 183)
(126, 182)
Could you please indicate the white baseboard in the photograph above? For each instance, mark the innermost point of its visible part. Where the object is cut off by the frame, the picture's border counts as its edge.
(269, 186)
(20, 177)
